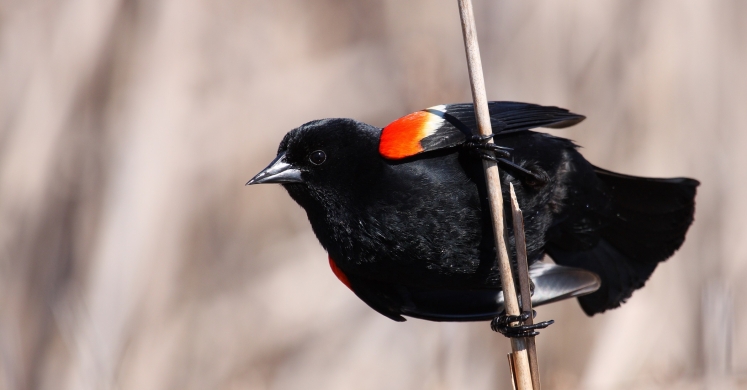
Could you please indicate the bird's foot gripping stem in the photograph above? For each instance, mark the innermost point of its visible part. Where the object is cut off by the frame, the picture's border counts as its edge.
(502, 325)
(479, 144)
(482, 150)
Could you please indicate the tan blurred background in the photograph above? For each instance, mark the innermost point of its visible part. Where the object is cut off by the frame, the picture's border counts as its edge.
(133, 257)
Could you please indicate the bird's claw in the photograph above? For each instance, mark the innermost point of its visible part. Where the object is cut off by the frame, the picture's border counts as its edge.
(502, 325)
(480, 144)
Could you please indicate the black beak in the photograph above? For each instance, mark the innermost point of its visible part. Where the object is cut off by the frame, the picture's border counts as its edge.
(278, 171)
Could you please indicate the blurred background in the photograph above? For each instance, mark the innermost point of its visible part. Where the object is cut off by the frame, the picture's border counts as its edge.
(133, 257)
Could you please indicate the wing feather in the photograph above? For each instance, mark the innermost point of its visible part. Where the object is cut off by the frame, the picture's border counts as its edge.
(447, 126)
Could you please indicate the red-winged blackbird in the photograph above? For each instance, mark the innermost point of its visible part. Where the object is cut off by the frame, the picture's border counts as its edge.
(402, 212)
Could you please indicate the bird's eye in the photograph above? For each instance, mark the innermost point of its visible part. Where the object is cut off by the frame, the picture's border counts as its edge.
(317, 157)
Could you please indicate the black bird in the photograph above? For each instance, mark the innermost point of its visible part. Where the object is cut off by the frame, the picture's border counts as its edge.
(402, 211)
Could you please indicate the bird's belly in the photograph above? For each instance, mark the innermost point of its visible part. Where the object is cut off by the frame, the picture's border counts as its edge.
(424, 246)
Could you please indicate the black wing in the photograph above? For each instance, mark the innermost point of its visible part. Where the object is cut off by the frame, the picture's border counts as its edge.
(449, 125)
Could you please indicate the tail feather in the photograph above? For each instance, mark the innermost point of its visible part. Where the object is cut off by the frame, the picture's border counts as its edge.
(649, 216)
(656, 223)
(619, 276)
(649, 195)
(647, 223)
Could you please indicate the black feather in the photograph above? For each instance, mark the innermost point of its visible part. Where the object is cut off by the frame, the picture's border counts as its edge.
(509, 117)
(646, 223)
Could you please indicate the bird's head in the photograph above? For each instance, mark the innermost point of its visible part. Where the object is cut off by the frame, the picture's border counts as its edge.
(322, 156)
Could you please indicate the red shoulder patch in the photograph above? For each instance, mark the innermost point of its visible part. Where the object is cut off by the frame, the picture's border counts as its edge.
(402, 137)
(338, 272)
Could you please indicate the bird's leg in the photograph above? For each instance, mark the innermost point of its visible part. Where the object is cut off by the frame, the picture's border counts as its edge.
(480, 143)
(535, 179)
(502, 325)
